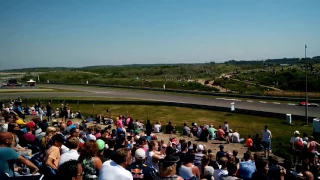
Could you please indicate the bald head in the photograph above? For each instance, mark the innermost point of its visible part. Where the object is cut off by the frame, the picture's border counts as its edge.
(4, 137)
(308, 175)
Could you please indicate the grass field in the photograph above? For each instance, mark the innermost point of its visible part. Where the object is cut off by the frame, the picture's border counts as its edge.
(245, 124)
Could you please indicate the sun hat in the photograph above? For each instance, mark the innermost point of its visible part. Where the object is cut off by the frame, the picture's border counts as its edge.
(140, 154)
(20, 122)
(100, 144)
(170, 160)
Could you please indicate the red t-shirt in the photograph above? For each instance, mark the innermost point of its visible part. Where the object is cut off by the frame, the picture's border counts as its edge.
(220, 133)
(249, 142)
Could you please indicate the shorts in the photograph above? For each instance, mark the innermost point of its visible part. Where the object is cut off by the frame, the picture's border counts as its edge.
(266, 145)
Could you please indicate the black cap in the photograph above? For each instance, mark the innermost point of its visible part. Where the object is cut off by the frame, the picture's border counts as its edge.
(142, 139)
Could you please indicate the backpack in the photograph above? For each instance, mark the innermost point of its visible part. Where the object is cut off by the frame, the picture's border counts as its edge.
(298, 145)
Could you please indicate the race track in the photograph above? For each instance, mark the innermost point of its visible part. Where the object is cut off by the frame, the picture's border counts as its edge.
(88, 91)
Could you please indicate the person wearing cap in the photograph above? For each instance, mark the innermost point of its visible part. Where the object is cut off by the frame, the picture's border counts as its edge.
(266, 140)
(221, 153)
(167, 169)
(198, 156)
(73, 144)
(28, 138)
(53, 154)
(295, 139)
(138, 169)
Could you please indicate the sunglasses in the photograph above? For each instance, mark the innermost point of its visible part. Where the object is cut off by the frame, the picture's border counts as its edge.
(163, 147)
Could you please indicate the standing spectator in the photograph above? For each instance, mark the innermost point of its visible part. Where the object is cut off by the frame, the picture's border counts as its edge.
(266, 140)
(72, 154)
(70, 170)
(90, 161)
(296, 141)
(138, 169)
(115, 169)
(148, 128)
(49, 111)
(226, 128)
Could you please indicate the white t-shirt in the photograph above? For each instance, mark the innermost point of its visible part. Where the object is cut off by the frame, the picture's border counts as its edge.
(5, 127)
(70, 155)
(235, 137)
(64, 149)
(157, 128)
(112, 171)
(266, 135)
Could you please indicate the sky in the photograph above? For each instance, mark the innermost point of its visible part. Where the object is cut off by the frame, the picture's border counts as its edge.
(76, 33)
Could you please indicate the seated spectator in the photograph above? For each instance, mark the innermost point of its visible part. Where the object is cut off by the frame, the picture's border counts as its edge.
(232, 170)
(138, 169)
(262, 171)
(170, 129)
(220, 134)
(53, 154)
(219, 173)
(188, 170)
(70, 170)
(186, 130)
(157, 127)
(115, 169)
(73, 144)
(168, 169)
(249, 142)
(247, 167)
(198, 155)
(212, 132)
(234, 137)
(207, 172)
(204, 136)
(221, 153)
(257, 143)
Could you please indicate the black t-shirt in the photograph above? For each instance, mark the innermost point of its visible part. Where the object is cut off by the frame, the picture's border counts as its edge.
(220, 154)
(140, 171)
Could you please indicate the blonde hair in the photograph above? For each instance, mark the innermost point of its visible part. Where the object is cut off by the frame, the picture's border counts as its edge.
(49, 130)
(167, 171)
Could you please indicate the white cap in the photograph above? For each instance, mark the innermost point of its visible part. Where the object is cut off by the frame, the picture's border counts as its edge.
(200, 147)
(297, 132)
(140, 154)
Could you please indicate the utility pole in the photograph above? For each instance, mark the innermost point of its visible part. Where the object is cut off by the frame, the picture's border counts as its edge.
(306, 71)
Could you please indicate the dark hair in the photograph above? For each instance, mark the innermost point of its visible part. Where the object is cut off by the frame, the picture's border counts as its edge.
(89, 150)
(57, 138)
(235, 153)
(189, 157)
(72, 130)
(11, 127)
(121, 156)
(68, 170)
(184, 146)
(111, 143)
(232, 168)
(261, 164)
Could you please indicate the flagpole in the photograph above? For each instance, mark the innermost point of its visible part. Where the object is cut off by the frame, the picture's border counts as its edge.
(306, 71)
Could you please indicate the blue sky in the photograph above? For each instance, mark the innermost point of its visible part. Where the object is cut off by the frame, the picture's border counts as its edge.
(78, 33)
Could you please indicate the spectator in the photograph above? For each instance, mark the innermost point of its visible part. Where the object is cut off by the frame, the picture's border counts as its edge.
(28, 138)
(170, 128)
(221, 153)
(115, 169)
(90, 135)
(72, 154)
(188, 169)
(266, 140)
(220, 134)
(296, 141)
(207, 172)
(232, 170)
(212, 132)
(90, 161)
(249, 142)
(186, 130)
(138, 169)
(157, 127)
(110, 152)
(247, 167)
(153, 155)
(168, 169)
(49, 111)
(53, 154)
(148, 128)
(8, 156)
(219, 173)
(262, 171)
(226, 128)
(70, 170)
(198, 156)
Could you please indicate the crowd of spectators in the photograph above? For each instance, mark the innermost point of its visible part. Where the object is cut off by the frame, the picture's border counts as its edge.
(53, 146)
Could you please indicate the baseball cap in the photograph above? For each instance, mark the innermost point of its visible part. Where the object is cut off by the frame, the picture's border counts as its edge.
(200, 147)
(140, 154)
(142, 139)
(221, 146)
(297, 132)
(31, 124)
(100, 144)
(20, 121)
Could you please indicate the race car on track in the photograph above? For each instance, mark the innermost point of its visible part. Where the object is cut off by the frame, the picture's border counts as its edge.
(309, 104)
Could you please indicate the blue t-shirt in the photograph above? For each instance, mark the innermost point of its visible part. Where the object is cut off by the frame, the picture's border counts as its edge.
(247, 168)
(7, 159)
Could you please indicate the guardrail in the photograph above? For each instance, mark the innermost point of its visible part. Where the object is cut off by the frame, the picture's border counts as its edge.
(176, 104)
(293, 99)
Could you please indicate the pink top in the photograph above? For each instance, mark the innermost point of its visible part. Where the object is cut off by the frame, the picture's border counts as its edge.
(119, 123)
(312, 146)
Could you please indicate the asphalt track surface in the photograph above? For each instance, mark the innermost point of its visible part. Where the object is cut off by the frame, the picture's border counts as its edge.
(88, 91)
